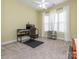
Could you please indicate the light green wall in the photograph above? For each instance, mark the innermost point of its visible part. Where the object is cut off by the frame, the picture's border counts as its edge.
(73, 18)
(15, 15)
(39, 22)
(73, 15)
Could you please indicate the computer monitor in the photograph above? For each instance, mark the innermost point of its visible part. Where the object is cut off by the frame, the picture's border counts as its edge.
(28, 26)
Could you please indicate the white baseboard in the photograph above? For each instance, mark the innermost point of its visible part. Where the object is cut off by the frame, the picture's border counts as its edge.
(12, 41)
(8, 42)
(15, 40)
(60, 38)
(63, 39)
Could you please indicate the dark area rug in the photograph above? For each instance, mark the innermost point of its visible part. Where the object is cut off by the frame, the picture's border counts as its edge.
(33, 43)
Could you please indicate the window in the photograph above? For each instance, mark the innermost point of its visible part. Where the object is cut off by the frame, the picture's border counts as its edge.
(57, 20)
(54, 21)
(61, 21)
(46, 23)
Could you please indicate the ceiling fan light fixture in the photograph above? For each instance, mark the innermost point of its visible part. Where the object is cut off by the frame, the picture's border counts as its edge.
(43, 4)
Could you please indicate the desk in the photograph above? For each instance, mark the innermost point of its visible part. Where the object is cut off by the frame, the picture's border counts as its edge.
(21, 33)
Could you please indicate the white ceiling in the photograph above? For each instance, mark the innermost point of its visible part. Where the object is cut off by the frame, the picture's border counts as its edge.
(35, 5)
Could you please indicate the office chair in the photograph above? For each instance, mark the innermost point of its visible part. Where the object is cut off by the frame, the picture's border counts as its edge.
(34, 33)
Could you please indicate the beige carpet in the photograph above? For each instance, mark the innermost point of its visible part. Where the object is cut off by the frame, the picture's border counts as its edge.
(50, 49)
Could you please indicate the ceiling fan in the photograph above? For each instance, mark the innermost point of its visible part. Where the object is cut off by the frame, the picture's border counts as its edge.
(43, 4)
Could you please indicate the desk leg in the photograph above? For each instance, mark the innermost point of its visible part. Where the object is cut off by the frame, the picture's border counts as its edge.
(20, 39)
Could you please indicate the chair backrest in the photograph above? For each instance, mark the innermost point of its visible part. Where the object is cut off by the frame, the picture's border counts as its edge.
(28, 26)
(33, 30)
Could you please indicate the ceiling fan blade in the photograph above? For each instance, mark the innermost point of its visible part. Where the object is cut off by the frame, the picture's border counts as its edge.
(46, 3)
(37, 2)
(43, 0)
